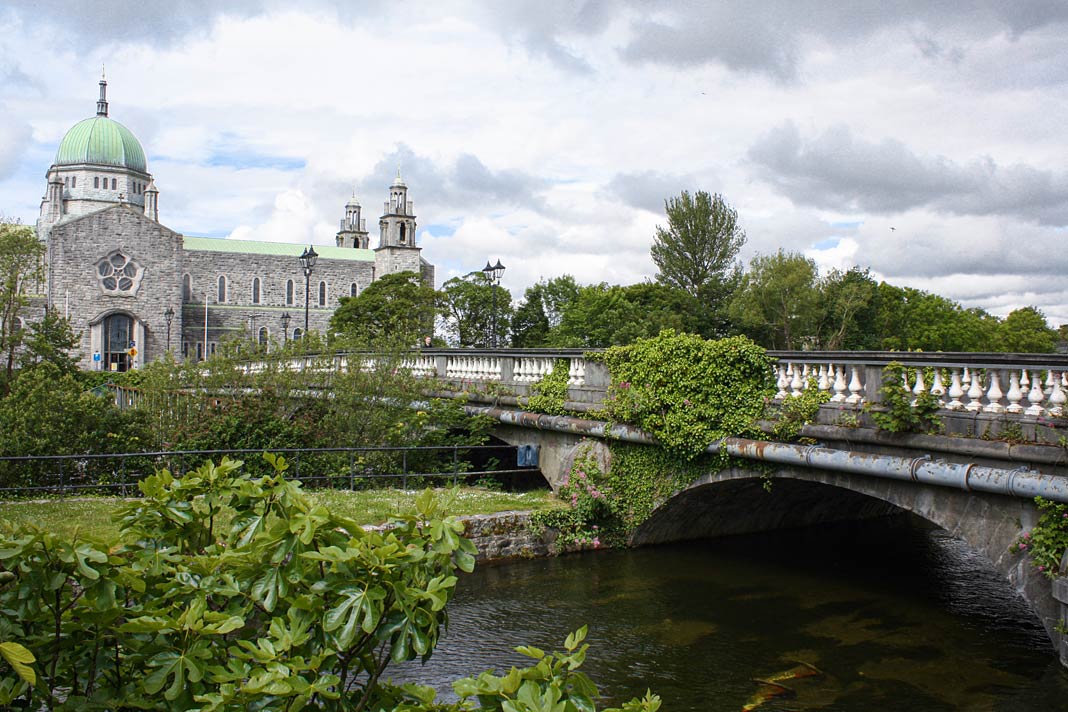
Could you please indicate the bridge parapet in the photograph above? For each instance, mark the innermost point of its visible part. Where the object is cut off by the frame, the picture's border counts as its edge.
(1027, 386)
(1016, 384)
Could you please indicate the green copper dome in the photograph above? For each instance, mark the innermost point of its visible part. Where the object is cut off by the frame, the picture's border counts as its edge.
(101, 141)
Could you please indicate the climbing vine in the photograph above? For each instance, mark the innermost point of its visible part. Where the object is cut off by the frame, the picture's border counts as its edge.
(686, 391)
(549, 394)
(1048, 541)
(899, 411)
(605, 508)
(797, 411)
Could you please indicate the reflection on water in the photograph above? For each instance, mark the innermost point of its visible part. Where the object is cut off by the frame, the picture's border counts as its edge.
(874, 615)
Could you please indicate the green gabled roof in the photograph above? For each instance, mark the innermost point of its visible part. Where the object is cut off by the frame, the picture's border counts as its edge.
(287, 249)
(101, 141)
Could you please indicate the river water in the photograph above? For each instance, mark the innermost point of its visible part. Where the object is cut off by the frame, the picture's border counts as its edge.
(880, 615)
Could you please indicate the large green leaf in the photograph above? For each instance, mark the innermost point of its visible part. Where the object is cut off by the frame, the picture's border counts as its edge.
(20, 659)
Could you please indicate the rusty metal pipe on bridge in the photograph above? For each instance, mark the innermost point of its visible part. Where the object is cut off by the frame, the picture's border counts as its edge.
(970, 477)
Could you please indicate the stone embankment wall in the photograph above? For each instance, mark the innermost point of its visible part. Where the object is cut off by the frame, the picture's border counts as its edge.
(508, 535)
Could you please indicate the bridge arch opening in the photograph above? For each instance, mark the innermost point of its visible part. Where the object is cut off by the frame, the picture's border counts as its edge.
(735, 502)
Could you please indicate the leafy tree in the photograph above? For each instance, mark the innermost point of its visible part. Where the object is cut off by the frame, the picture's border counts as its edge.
(51, 339)
(396, 307)
(1025, 330)
(700, 243)
(471, 307)
(777, 302)
(604, 315)
(49, 412)
(908, 318)
(542, 310)
(21, 255)
(530, 323)
(847, 311)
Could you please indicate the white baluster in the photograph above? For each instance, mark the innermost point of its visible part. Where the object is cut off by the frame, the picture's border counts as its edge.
(839, 385)
(956, 390)
(975, 394)
(782, 381)
(796, 384)
(993, 395)
(966, 379)
(823, 383)
(1015, 394)
(855, 388)
(937, 388)
(580, 371)
(920, 386)
(1025, 380)
(806, 373)
(1049, 383)
(1035, 398)
(1057, 398)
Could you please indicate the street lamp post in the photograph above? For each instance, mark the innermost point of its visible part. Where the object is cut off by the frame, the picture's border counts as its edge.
(168, 316)
(307, 263)
(285, 326)
(493, 274)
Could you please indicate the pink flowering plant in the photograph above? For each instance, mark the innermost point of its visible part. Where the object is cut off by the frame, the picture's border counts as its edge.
(1047, 542)
(590, 520)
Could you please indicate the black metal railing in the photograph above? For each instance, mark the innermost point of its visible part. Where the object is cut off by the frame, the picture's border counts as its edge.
(348, 468)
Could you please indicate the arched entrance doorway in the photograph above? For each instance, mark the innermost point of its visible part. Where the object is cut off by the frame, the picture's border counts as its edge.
(118, 340)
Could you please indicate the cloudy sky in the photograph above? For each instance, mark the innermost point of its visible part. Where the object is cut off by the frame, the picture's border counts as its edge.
(924, 139)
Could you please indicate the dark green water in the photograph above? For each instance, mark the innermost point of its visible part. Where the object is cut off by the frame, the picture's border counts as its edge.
(893, 618)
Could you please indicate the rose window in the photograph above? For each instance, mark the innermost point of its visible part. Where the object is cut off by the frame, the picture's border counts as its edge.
(119, 274)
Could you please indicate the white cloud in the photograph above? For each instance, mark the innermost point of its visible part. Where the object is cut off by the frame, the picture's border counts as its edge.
(547, 136)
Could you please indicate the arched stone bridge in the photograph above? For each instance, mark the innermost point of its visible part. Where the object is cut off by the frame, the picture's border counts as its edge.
(987, 502)
(1004, 415)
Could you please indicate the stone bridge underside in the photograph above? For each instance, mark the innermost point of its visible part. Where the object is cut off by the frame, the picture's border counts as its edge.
(734, 502)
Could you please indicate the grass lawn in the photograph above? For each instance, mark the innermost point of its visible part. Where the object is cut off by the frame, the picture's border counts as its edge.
(92, 516)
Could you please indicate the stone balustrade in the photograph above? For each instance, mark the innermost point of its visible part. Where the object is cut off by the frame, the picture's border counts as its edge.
(1016, 384)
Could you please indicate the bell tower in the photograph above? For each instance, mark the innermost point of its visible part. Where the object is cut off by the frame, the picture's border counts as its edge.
(353, 232)
(396, 250)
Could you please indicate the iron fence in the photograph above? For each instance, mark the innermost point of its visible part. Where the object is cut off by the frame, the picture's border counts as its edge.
(348, 468)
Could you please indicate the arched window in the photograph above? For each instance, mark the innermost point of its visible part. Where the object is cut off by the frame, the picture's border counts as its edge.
(256, 290)
(114, 183)
(264, 334)
(402, 233)
(222, 288)
(187, 288)
(354, 289)
(96, 181)
(74, 181)
(297, 333)
(289, 293)
(322, 294)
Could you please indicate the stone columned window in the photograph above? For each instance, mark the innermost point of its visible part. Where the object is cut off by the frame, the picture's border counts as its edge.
(119, 274)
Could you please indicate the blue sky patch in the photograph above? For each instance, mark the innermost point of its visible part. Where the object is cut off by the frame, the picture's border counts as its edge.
(829, 244)
(247, 159)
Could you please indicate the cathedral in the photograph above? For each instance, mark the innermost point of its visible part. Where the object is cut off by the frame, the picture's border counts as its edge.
(134, 289)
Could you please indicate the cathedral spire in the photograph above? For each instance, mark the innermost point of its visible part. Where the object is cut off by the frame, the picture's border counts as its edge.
(102, 103)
